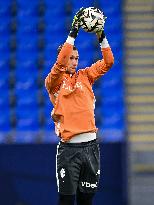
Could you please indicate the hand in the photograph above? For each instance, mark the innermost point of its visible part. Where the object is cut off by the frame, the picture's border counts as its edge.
(100, 34)
(76, 24)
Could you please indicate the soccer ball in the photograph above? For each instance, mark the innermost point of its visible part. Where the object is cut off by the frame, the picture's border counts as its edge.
(92, 19)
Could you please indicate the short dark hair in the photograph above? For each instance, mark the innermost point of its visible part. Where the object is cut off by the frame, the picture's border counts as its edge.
(60, 47)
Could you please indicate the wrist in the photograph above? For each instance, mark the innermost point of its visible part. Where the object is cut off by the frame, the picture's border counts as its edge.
(101, 36)
(104, 43)
(70, 40)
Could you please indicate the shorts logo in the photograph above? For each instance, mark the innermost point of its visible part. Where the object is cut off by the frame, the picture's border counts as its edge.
(62, 173)
(98, 172)
(88, 185)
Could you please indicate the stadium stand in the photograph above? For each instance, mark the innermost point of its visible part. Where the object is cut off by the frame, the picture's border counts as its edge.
(30, 32)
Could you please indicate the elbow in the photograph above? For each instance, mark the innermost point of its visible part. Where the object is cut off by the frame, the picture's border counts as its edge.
(47, 84)
(110, 63)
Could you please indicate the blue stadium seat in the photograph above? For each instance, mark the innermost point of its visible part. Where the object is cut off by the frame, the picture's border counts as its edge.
(112, 95)
(50, 55)
(27, 98)
(44, 93)
(57, 27)
(54, 4)
(78, 4)
(27, 4)
(57, 14)
(52, 42)
(27, 25)
(115, 40)
(113, 25)
(5, 8)
(47, 104)
(88, 44)
(27, 43)
(48, 107)
(4, 81)
(110, 4)
(85, 53)
(23, 85)
(46, 69)
(26, 58)
(111, 10)
(27, 11)
(51, 47)
(4, 45)
(5, 125)
(49, 136)
(27, 66)
(26, 137)
(83, 63)
(4, 25)
(2, 137)
(27, 118)
(27, 81)
(111, 134)
(113, 82)
(4, 64)
(112, 126)
(49, 124)
(4, 99)
(118, 58)
(98, 96)
(4, 58)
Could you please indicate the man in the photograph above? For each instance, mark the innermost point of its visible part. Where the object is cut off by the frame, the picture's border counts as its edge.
(78, 165)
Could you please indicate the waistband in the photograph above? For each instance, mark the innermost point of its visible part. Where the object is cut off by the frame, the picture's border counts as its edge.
(83, 137)
(81, 144)
(77, 141)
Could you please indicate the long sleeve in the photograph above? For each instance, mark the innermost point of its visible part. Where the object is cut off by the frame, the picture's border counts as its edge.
(100, 67)
(55, 77)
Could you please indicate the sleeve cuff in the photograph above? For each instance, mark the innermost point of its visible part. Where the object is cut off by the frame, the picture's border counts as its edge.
(70, 40)
(104, 43)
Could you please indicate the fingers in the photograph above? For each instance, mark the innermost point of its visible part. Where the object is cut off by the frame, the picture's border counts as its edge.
(80, 12)
(76, 24)
(76, 20)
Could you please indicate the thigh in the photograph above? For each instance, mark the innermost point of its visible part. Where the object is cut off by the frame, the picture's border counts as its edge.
(66, 199)
(68, 170)
(84, 198)
(90, 173)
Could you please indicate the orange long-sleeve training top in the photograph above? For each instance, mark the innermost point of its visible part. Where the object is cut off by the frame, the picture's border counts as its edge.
(72, 96)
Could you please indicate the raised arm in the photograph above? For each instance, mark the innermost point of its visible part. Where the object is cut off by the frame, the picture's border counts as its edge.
(55, 77)
(102, 66)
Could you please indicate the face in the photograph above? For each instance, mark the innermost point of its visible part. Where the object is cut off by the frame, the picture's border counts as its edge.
(73, 62)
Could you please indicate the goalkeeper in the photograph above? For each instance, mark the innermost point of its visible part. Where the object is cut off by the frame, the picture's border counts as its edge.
(78, 157)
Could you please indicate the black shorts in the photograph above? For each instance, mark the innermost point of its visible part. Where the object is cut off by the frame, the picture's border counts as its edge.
(78, 166)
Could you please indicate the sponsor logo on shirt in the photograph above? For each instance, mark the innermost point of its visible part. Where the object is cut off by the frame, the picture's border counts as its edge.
(66, 86)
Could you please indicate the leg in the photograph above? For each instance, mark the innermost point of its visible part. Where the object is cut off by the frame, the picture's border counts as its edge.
(66, 199)
(67, 173)
(89, 177)
(84, 198)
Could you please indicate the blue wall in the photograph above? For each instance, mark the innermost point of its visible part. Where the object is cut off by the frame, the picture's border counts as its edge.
(27, 175)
